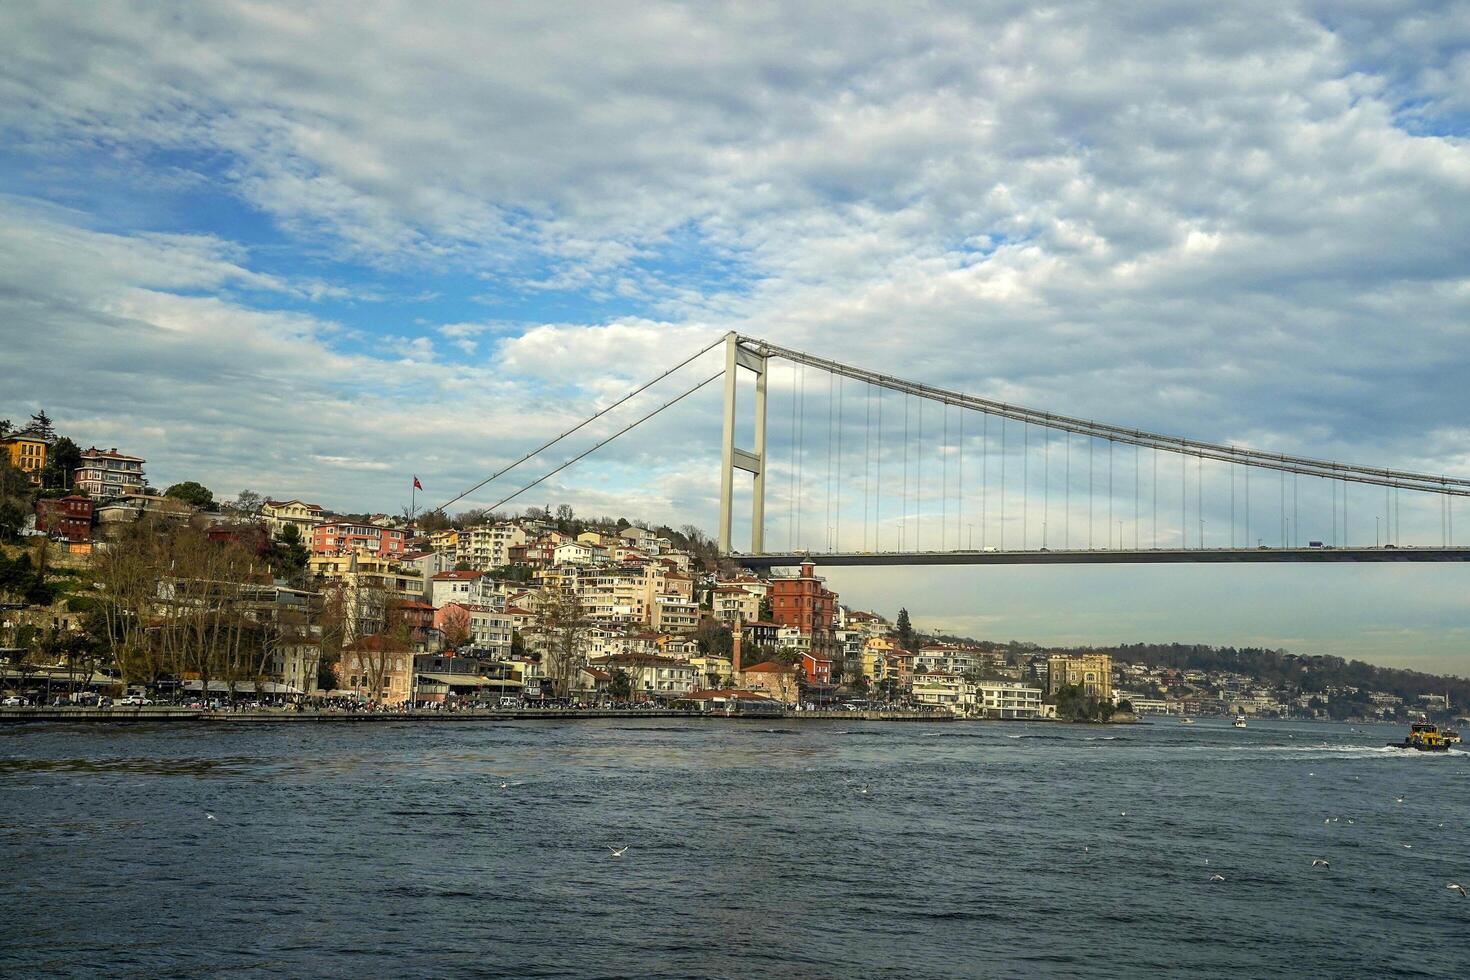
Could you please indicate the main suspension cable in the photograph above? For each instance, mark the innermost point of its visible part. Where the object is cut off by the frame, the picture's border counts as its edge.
(623, 431)
(580, 425)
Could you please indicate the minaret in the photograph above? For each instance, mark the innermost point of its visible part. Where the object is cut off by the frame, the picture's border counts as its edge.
(737, 635)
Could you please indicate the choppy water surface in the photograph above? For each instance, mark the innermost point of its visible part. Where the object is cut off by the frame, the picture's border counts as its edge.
(996, 850)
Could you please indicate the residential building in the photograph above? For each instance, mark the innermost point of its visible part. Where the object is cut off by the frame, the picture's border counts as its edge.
(488, 546)
(27, 452)
(1007, 699)
(69, 518)
(803, 601)
(650, 675)
(738, 600)
(134, 506)
(107, 473)
(674, 614)
(281, 514)
(488, 630)
(454, 586)
(1094, 671)
(818, 669)
(347, 537)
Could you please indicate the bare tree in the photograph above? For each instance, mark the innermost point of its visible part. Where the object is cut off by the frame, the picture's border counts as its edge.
(564, 619)
(455, 627)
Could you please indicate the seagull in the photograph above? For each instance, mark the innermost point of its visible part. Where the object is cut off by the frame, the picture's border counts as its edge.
(1217, 877)
(864, 790)
(1350, 820)
(1398, 799)
(1456, 888)
(618, 852)
(1325, 820)
(1409, 846)
(1319, 863)
(1123, 814)
(209, 816)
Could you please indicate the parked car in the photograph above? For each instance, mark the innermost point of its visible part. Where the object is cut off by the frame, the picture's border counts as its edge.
(15, 701)
(135, 700)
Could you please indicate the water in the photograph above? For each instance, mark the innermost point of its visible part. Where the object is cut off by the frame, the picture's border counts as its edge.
(998, 850)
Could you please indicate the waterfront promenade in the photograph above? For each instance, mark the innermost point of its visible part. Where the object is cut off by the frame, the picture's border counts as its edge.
(173, 713)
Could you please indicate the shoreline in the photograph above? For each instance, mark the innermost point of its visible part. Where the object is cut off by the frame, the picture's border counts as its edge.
(144, 715)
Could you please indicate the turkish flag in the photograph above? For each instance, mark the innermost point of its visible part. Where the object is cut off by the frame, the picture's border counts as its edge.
(416, 484)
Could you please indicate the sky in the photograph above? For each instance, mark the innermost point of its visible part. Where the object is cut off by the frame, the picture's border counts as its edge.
(315, 252)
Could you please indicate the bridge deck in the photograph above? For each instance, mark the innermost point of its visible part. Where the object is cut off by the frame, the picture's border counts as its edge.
(1105, 556)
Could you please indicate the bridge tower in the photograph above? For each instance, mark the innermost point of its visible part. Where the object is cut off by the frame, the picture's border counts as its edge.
(734, 458)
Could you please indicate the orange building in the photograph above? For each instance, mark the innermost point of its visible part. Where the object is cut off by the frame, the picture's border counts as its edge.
(27, 453)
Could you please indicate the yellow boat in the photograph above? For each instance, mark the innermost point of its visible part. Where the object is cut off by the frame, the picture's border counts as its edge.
(1423, 737)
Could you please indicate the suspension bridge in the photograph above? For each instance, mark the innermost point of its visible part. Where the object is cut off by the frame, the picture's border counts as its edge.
(865, 468)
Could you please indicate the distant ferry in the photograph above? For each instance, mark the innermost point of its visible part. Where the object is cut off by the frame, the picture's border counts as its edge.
(1239, 721)
(1185, 720)
(1424, 737)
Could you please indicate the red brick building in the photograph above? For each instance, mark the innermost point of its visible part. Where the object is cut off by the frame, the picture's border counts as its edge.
(804, 602)
(67, 518)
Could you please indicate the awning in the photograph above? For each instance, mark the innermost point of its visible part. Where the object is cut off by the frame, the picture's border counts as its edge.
(469, 680)
(242, 687)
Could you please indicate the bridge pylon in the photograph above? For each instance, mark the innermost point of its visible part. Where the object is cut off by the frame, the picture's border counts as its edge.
(734, 458)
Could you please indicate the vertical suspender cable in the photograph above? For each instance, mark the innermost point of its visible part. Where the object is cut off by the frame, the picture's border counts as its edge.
(1183, 501)
(1199, 494)
(867, 456)
(1232, 503)
(791, 474)
(1110, 494)
(837, 503)
(919, 480)
(878, 483)
(1135, 496)
(1089, 492)
(1067, 494)
(800, 453)
(827, 507)
(944, 480)
(903, 517)
(1002, 483)
(1155, 499)
(1045, 483)
(959, 525)
(984, 473)
(1025, 483)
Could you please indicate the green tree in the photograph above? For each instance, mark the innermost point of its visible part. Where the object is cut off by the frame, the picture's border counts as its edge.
(620, 687)
(42, 425)
(62, 461)
(288, 557)
(906, 636)
(193, 493)
(16, 496)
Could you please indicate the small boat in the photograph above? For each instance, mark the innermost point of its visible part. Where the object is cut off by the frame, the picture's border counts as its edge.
(1186, 721)
(1239, 721)
(1423, 737)
(1450, 736)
